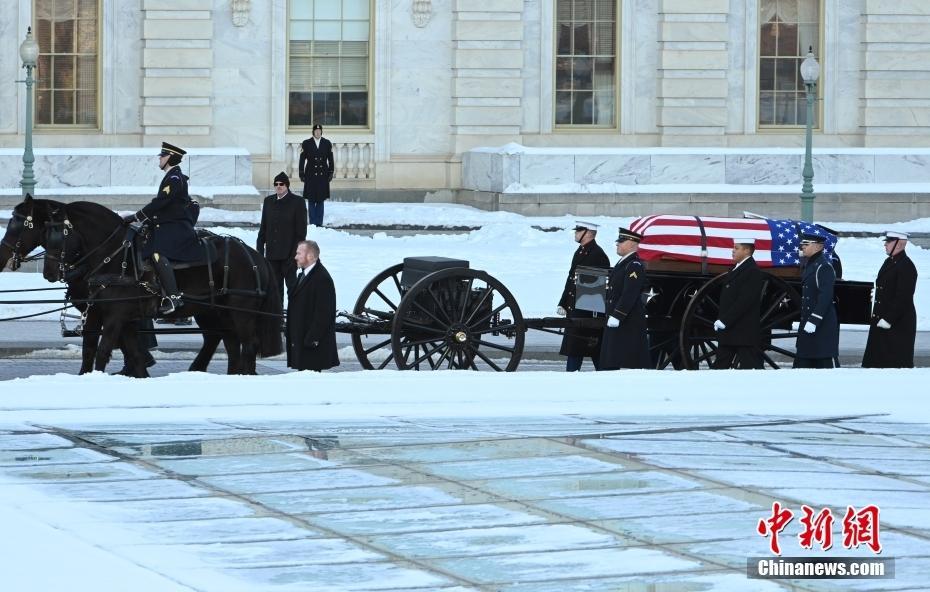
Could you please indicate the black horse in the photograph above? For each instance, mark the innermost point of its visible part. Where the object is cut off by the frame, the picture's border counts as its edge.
(94, 255)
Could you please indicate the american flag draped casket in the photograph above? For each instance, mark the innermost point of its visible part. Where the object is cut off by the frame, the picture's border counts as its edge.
(710, 240)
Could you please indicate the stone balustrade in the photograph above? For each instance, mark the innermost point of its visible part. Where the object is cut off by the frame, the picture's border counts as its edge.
(355, 160)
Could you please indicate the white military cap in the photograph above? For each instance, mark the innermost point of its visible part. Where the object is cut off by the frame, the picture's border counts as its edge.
(582, 225)
(893, 234)
(744, 241)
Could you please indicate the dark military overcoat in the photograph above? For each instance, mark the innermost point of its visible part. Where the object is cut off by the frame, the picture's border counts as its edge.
(169, 217)
(817, 307)
(740, 301)
(626, 346)
(316, 168)
(894, 302)
(581, 342)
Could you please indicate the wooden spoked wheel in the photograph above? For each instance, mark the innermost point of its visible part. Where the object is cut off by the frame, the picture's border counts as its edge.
(378, 304)
(458, 319)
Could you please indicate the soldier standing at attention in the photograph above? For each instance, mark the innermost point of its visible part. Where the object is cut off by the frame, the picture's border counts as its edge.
(894, 318)
(740, 302)
(625, 343)
(579, 343)
(819, 328)
(316, 168)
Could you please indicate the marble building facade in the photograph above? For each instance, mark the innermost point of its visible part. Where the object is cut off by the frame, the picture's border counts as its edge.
(450, 76)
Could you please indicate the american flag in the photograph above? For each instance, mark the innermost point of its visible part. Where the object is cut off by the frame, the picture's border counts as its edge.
(679, 238)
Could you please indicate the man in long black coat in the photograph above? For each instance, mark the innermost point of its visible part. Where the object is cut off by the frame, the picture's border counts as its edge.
(169, 218)
(819, 327)
(580, 343)
(311, 313)
(283, 227)
(316, 168)
(737, 325)
(624, 343)
(894, 318)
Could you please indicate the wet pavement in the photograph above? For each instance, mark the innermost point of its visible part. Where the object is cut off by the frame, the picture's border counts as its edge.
(565, 503)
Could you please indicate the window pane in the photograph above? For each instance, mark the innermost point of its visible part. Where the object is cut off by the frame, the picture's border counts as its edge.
(786, 74)
(564, 46)
(563, 74)
(355, 9)
(86, 73)
(583, 108)
(301, 30)
(43, 72)
(327, 9)
(43, 107)
(63, 42)
(603, 108)
(326, 108)
(604, 74)
(605, 39)
(606, 9)
(354, 108)
(582, 39)
(63, 72)
(44, 36)
(327, 31)
(299, 109)
(325, 73)
(584, 10)
(809, 38)
(788, 39)
(87, 107)
(354, 73)
(355, 31)
(766, 108)
(87, 9)
(767, 39)
(563, 108)
(564, 10)
(767, 74)
(583, 74)
(87, 36)
(786, 109)
(63, 106)
(63, 10)
(302, 9)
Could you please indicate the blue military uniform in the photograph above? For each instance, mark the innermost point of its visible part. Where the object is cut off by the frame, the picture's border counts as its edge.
(169, 215)
(820, 348)
(626, 346)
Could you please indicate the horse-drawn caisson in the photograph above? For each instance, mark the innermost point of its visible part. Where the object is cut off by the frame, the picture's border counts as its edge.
(427, 313)
(228, 291)
(431, 313)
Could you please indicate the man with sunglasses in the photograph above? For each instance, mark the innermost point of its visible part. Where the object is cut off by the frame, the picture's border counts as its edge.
(894, 319)
(818, 328)
(283, 226)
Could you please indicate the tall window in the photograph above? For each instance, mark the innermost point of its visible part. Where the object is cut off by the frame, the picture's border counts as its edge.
(328, 57)
(788, 29)
(586, 63)
(66, 77)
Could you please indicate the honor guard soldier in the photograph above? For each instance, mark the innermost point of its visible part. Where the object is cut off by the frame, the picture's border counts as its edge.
(580, 343)
(740, 301)
(819, 328)
(624, 343)
(316, 168)
(894, 319)
(169, 216)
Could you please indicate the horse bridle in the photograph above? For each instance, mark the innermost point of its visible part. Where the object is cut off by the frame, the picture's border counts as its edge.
(27, 222)
(51, 228)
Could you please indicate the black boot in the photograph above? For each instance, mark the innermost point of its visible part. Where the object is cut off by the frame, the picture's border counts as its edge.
(169, 287)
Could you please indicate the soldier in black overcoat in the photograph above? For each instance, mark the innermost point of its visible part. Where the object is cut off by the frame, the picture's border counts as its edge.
(894, 319)
(316, 168)
(737, 324)
(580, 343)
(819, 327)
(311, 313)
(283, 227)
(168, 217)
(624, 343)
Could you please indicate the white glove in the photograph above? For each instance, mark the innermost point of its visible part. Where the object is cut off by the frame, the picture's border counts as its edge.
(809, 327)
(613, 322)
(883, 324)
(560, 311)
(719, 326)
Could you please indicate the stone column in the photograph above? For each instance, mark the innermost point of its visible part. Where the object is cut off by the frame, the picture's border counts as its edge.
(693, 62)
(177, 64)
(487, 83)
(896, 72)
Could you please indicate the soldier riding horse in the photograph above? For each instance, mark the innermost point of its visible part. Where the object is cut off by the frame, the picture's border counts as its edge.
(96, 256)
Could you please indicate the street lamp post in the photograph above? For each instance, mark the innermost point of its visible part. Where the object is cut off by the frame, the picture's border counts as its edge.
(29, 53)
(810, 72)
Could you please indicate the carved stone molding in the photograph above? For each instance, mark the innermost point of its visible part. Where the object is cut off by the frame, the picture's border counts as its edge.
(422, 12)
(240, 12)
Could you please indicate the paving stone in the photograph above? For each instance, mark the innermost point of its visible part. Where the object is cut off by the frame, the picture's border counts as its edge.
(471, 451)
(768, 479)
(53, 456)
(121, 490)
(718, 448)
(237, 464)
(586, 485)
(105, 471)
(302, 481)
(350, 577)
(216, 530)
(521, 467)
(657, 504)
(371, 498)
(37, 441)
(730, 462)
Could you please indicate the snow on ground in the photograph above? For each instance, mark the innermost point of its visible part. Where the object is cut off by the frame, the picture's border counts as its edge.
(530, 262)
